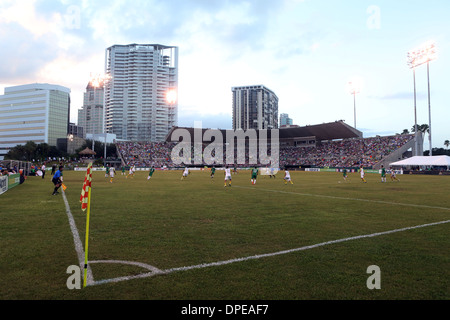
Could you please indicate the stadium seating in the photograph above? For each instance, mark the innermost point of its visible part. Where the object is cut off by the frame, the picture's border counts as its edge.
(341, 153)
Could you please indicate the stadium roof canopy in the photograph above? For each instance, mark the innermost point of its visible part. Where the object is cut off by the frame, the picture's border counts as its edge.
(424, 161)
(326, 131)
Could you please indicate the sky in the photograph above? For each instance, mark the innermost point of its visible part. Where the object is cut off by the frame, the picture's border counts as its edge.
(306, 51)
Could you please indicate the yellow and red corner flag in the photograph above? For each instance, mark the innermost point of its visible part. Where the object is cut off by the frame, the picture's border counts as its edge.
(85, 200)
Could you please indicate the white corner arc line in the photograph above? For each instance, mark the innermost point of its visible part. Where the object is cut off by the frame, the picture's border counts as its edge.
(153, 271)
(138, 264)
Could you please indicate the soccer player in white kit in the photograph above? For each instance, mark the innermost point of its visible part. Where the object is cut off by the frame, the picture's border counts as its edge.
(131, 171)
(227, 177)
(393, 175)
(361, 171)
(287, 177)
(185, 173)
(112, 171)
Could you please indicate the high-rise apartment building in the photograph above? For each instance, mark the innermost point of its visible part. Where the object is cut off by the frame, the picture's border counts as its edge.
(140, 77)
(33, 112)
(90, 116)
(254, 107)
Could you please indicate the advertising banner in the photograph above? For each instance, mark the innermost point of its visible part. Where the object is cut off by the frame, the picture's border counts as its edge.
(3, 184)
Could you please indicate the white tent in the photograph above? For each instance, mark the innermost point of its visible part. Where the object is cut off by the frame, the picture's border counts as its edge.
(424, 161)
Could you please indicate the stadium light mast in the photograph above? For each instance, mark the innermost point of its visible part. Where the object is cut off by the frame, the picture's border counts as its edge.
(354, 89)
(417, 57)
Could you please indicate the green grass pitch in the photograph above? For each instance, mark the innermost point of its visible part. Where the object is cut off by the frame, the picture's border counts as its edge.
(198, 223)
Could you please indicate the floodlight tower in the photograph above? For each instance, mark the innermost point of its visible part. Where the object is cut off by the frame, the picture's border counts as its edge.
(417, 57)
(354, 89)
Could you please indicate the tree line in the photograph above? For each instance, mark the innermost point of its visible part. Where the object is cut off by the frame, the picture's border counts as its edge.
(30, 151)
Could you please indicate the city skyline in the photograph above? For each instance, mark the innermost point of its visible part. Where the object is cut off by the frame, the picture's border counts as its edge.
(305, 51)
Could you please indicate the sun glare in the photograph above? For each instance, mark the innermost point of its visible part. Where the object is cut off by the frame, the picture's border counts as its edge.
(171, 96)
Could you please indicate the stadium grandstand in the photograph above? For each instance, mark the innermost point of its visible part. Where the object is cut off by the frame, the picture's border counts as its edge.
(330, 145)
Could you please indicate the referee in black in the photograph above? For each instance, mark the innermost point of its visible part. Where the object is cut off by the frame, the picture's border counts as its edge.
(57, 180)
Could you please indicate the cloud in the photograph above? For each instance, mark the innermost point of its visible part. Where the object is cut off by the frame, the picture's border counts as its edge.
(61, 42)
(24, 13)
(32, 38)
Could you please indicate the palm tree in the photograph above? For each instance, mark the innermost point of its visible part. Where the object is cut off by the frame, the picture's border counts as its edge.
(421, 128)
(446, 143)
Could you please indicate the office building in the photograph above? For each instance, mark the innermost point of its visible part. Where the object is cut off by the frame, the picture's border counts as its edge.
(90, 116)
(75, 131)
(285, 120)
(254, 107)
(140, 77)
(33, 112)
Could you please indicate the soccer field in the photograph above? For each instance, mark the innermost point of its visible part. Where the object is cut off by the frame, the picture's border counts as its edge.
(172, 239)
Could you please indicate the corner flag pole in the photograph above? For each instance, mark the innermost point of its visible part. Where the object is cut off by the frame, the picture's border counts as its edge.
(87, 238)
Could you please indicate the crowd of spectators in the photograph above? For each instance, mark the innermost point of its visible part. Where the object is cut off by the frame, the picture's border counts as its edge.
(6, 171)
(146, 154)
(344, 153)
(341, 153)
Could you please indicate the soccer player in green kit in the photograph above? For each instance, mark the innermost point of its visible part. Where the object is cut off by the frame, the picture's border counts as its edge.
(213, 170)
(383, 174)
(254, 175)
(344, 174)
(150, 174)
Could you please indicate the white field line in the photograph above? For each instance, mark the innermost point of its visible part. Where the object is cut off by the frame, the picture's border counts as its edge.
(346, 198)
(76, 239)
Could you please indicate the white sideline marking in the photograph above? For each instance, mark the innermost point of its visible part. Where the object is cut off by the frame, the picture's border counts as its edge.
(345, 198)
(76, 239)
(221, 263)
